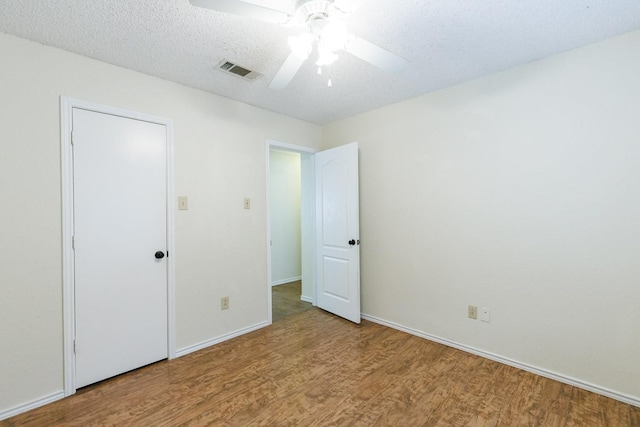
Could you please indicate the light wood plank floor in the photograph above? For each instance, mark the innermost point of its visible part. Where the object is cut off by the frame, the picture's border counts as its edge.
(315, 369)
(286, 300)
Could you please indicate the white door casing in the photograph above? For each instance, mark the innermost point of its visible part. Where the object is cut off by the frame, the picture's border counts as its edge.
(337, 231)
(134, 291)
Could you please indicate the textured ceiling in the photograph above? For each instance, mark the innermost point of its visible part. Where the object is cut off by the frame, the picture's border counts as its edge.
(445, 41)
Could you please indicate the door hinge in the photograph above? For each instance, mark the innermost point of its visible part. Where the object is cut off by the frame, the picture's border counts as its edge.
(73, 243)
(71, 137)
(74, 346)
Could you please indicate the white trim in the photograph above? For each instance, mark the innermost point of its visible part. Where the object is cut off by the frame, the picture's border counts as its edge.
(66, 114)
(497, 358)
(17, 410)
(172, 206)
(208, 343)
(267, 147)
(283, 281)
(308, 245)
(290, 147)
(306, 299)
(68, 296)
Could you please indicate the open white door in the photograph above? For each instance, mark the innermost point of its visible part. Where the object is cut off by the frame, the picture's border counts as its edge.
(338, 231)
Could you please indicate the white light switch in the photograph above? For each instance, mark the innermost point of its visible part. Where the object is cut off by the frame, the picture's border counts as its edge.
(183, 203)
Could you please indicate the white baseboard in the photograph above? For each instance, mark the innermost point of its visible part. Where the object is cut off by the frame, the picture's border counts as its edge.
(497, 358)
(204, 344)
(283, 281)
(31, 405)
(306, 299)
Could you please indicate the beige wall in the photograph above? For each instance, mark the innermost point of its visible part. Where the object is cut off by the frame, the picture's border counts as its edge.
(219, 160)
(519, 192)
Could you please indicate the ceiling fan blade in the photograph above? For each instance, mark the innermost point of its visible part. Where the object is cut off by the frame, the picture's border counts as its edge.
(348, 6)
(236, 7)
(376, 55)
(285, 74)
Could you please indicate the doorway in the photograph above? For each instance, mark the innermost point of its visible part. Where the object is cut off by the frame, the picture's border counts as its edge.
(330, 236)
(291, 229)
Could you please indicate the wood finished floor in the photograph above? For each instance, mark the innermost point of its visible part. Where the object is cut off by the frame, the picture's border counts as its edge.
(286, 300)
(315, 369)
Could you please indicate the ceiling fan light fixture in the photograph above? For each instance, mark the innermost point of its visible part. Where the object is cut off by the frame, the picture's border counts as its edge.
(324, 28)
(301, 45)
(326, 56)
(334, 35)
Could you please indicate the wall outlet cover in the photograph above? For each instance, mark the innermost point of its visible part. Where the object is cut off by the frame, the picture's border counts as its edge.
(485, 315)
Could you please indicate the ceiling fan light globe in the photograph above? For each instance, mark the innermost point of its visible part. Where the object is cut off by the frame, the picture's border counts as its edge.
(335, 35)
(301, 45)
(326, 56)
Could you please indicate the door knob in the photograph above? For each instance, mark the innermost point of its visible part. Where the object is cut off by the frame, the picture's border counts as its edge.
(159, 255)
(352, 242)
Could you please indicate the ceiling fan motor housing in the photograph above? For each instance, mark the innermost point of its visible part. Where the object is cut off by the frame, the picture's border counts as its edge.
(308, 11)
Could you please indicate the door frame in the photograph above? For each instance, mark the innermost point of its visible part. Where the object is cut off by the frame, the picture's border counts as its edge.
(308, 247)
(67, 105)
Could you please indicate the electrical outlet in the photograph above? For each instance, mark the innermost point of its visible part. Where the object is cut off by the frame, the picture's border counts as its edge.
(472, 312)
(224, 303)
(485, 315)
(247, 203)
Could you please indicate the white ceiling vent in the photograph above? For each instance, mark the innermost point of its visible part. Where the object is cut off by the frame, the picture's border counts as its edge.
(237, 70)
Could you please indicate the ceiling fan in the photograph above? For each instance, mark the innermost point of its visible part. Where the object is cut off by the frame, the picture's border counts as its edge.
(325, 29)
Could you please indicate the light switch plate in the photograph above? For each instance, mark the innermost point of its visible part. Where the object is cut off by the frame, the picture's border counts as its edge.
(472, 312)
(183, 203)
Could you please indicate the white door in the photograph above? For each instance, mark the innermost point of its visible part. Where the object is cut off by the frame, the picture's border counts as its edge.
(120, 222)
(338, 231)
